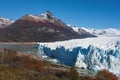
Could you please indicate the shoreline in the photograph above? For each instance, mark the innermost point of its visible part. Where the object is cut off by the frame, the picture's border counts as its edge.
(18, 42)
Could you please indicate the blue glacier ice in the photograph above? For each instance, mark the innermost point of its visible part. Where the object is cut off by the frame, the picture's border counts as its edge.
(91, 57)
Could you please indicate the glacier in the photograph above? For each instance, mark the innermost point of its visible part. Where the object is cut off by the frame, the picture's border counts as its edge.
(102, 52)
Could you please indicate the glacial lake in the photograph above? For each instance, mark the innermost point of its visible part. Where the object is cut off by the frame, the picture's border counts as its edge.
(25, 48)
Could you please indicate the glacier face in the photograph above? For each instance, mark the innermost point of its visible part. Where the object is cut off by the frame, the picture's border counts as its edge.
(97, 59)
(97, 53)
(65, 56)
(91, 57)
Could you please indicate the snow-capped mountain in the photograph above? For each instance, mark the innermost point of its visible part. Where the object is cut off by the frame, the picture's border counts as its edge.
(82, 31)
(105, 32)
(40, 28)
(47, 16)
(4, 22)
(101, 52)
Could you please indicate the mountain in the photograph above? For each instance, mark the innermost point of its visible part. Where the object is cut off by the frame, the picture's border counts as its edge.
(98, 32)
(81, 31)
(103, 32)
(39, 28)
(4, 22)
(94, 53)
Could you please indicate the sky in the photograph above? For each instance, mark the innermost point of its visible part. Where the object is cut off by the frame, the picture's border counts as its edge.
(98, 14)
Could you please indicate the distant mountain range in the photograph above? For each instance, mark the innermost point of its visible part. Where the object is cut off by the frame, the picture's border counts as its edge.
(38, 28)
(110, 32)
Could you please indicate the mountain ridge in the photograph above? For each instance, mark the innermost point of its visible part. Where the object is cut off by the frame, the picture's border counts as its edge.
(39, 28)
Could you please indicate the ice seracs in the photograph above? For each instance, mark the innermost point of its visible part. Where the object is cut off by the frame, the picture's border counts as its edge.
(101, 42)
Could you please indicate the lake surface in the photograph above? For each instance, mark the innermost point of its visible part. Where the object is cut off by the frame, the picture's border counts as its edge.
(28, 49)
(25, 48)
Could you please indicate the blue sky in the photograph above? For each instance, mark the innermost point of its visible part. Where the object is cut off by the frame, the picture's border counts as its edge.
(86, 13)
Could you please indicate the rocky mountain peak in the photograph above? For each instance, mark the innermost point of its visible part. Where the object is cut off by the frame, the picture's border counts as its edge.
(45, 17)
(49, 15)
(40, 17)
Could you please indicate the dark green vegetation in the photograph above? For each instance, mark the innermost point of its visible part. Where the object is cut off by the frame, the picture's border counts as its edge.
(18, 66)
